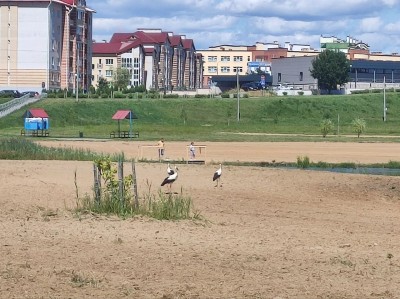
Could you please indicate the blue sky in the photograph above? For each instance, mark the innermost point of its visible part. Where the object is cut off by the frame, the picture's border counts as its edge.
(245, 22)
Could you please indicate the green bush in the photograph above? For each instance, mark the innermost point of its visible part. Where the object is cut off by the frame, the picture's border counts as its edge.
(119, 95)
(359, 126)
(170, 96)
(303, 162)
(326, 127)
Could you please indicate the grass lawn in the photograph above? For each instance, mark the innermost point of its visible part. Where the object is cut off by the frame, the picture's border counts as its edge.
(216, 119)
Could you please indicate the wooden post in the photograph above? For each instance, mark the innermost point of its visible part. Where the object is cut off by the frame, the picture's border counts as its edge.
(121, 179)
(134, 182)
(96, 183)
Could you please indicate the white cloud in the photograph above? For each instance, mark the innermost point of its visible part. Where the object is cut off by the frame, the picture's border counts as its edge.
(371, 24)
(213, 22)
(392, 28)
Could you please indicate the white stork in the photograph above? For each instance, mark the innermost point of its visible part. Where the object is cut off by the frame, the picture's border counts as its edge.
(170, 178)
(170, 170)
(217, 175)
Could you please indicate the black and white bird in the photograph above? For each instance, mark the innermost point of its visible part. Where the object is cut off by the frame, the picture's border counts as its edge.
(170, 178)
(169, 170)
(217, 175)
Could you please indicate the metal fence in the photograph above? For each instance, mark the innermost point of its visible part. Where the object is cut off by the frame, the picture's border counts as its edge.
(16, 104)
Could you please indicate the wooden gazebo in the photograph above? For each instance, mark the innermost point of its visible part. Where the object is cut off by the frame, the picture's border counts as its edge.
(121, 115)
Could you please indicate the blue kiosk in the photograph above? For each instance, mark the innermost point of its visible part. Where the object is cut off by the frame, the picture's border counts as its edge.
(36, 123)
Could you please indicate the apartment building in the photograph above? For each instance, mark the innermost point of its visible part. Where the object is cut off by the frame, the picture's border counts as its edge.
(226, 60)
(45, 44)
(162, 61)
(108, 57)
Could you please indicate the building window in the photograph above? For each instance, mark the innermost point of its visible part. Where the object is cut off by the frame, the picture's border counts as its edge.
(225, 58)
(237, 58)
(109, 73)
(225, 69)
(279, 77)
(81, 15)
(136, 62)
(127, 62)
(109, 62)
(136, 74)
(212, 58)
(301, 76)
(238, 69)
(212, 69)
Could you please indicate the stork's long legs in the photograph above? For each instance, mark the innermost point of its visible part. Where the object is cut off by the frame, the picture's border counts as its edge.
(218, 183)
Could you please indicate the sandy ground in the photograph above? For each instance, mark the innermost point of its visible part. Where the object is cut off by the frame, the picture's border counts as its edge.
(266, 233)
(362, 152)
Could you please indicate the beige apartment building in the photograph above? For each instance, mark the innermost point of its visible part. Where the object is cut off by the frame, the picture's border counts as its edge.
(45, 45)
(225, 60)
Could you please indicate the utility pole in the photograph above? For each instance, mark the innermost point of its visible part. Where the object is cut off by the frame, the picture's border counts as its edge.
(238, 94)
(384, 98)
(77, 69)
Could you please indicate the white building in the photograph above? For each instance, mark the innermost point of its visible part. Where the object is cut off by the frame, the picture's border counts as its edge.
(45, 44)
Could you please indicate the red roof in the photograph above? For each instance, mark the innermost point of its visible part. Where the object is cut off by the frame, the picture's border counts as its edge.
(188, 43)
(70, 2)
(37, 112)
(175, 40)
(123, 114)
(121, 37)
(114, 47)
(149, 51)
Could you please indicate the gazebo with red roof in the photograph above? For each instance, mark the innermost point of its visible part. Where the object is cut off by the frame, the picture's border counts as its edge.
(120, 115)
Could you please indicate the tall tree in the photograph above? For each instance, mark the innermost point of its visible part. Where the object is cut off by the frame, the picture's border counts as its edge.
(102, 86)
(331, 69)
(121, 78)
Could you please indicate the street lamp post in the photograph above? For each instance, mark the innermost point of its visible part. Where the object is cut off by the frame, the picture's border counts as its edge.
(77, 69)
(238, 94)
(356, 79)
(384, 98)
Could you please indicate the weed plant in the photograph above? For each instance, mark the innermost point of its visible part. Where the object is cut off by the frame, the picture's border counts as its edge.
(112, 198)
(167, 206)
(303, 162)
(160, 206)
